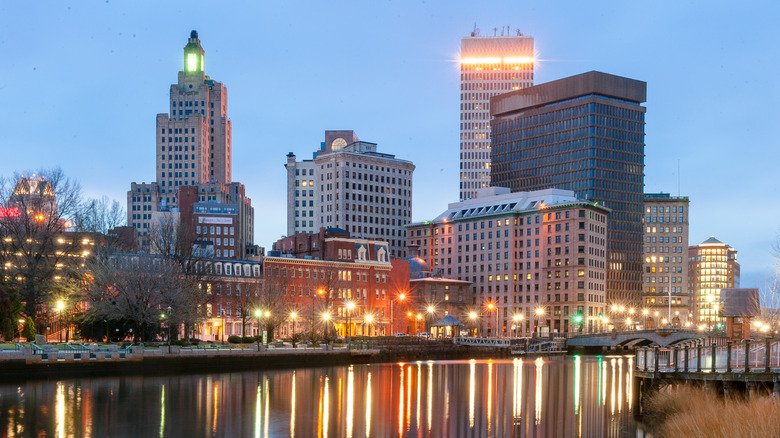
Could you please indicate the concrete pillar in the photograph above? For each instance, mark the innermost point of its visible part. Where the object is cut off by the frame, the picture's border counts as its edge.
(714, 358)
(767, 347)
(698, 358)
(728, 357)
(655, 356)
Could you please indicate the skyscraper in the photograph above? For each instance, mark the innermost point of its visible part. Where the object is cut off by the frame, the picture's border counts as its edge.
(713, 266)
(583, 133)
(489, 65)
(352, 186)
(193, 149)
(666, 261)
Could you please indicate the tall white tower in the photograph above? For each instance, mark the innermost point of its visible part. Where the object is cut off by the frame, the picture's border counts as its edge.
(489, 65)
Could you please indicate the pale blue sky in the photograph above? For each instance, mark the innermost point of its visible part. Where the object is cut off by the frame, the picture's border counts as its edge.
(81, 83)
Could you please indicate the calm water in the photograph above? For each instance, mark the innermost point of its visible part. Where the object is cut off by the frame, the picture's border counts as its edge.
(579, 396)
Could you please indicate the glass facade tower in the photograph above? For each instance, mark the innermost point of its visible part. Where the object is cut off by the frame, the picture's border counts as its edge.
(584, 133)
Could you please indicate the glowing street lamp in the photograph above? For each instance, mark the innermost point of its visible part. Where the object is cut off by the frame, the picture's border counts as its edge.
(429, 314)
(368, 319)
(350, 306)
(401, 297)
(293, 315)
(258, 315)
(60, 308)
(517, 319)
(473, 318)
(490, 307)
(539, 312)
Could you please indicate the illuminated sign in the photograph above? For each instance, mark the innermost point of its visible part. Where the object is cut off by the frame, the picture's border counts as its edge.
(215, 220)
(9, 212)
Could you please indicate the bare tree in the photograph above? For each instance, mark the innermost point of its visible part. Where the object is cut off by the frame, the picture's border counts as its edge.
(274, 302)
(327, 286)
(771, 294)
(99, 215)
(39, 256)
(141, 288)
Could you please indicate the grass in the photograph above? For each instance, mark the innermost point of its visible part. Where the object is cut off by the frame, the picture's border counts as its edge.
(694, 412)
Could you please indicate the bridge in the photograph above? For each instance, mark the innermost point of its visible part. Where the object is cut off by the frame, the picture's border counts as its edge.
(662, 337)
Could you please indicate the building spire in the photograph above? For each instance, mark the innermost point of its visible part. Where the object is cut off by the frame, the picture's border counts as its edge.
(194, 58)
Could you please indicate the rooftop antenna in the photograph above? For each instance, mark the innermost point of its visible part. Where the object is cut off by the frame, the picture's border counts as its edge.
(495, 31)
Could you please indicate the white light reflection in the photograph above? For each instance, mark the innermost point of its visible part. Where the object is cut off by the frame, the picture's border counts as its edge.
(538, 405)
(162, 412)
(419, 387)
(325, 405)
(350, 400)
(429, 402)
(292, 407)
(368, 405)
(517, 393)
(612, 398)
(258, 409)
(490, 393)
(577, 366)
(409, 398)
(60, 410)
(267, 402)
(472, 382)
(603, 378)
(620, 385)
(629, 381)
(401, 402)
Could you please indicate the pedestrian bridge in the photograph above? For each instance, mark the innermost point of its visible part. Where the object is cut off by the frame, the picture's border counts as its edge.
(635, 338)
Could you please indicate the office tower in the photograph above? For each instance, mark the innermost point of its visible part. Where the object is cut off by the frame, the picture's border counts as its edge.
(489, 65)
(193, 150)
(712, 266)
(352, 186)
(538, 255)
(665, 262)
(583, 133)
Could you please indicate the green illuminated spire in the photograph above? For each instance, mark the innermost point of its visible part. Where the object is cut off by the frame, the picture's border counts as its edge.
(194, 58)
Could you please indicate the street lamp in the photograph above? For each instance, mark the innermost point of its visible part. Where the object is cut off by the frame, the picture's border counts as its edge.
(473, 317)
(222, 331)
(419, 318)
(539, 313)
(517, 319)
(169, 325)
(369, 318)
(258, 315)
(430, 311)
(350, 306)
(293, 315)
(644, 315)
(326, 319)
(60, 308)
(490, 307)
(401, 297)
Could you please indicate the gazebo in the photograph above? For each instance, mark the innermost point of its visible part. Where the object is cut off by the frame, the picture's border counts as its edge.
(445, 327)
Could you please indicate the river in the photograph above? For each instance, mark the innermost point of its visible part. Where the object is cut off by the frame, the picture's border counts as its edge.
(588, 396)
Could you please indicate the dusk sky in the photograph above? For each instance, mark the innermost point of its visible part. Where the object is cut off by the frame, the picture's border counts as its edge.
(81, 83)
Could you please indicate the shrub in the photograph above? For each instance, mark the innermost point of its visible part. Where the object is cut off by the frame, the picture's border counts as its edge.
(234, 339)
(249, 339)
(29, 329)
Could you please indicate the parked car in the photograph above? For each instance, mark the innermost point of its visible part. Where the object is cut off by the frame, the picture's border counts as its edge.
(399, 335)
(423, 335)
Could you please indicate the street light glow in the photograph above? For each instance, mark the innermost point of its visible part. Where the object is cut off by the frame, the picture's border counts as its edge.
(539, 311)
(326, 316)
(473, 315)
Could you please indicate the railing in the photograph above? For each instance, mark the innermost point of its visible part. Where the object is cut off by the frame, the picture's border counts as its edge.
(743, 357)
(491, 342)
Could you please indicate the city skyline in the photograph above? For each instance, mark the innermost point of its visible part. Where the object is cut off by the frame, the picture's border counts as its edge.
(707, 68)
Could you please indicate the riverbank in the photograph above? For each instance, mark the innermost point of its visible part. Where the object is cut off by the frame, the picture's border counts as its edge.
(687, 411)
(162, 361)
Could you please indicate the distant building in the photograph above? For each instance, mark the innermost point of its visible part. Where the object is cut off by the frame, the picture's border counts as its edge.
(329, 271)
(351, 186)
(539, 254)
(583, 133)
(193, 151)
(666, 262)
(489, 65)
(713, 266)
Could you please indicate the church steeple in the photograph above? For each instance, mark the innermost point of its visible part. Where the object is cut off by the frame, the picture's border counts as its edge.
(194, 58)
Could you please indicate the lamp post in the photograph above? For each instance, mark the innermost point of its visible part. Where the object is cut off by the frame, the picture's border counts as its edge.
(401, 297)
(293, 315)
(258, 315)
(417, 326)
(222, 330)
(517, 319)
(473, 317)
(369, 318)
(326, 321)
(267, 315)
(490, 307)
(409, 324)
(428, 316)
(539, 312)
(60, 308)
(170, 316)
(350, 305)
(644, 315)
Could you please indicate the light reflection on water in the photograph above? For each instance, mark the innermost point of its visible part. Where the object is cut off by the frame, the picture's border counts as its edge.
(579, 396)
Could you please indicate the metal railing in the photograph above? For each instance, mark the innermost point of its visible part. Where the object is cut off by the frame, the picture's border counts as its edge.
(713, 357)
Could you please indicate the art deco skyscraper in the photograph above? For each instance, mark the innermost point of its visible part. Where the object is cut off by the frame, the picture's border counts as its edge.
(193, 149)
(489, 65)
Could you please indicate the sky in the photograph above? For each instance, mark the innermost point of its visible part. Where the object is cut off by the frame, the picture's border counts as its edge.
(81, 83)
